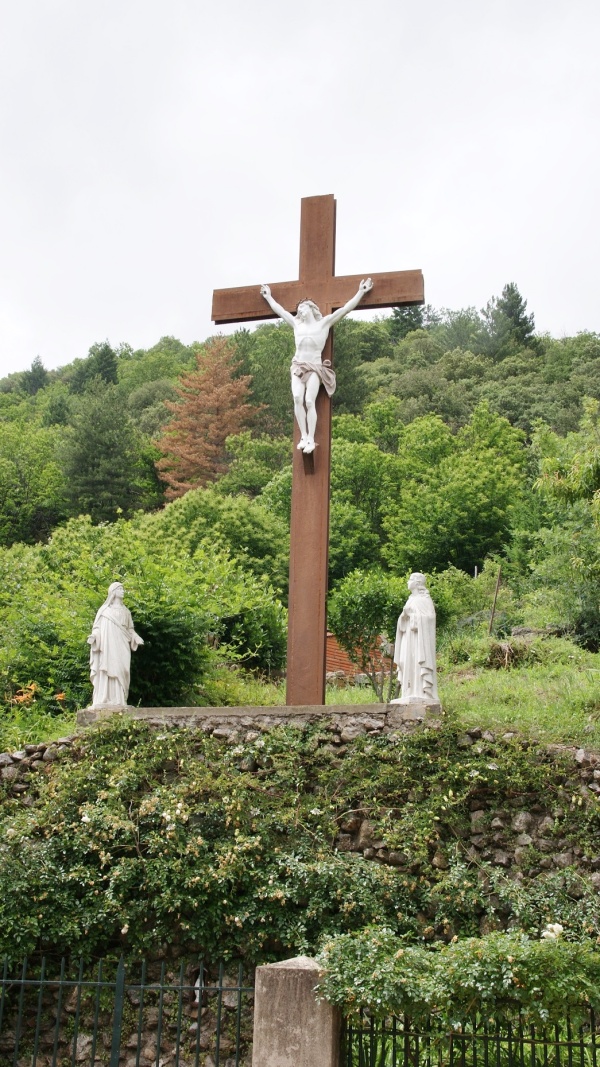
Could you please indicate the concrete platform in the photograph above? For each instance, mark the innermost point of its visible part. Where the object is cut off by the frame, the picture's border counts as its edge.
(364, 717)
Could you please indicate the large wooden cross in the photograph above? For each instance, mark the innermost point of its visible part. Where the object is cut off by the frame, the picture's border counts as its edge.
(309, 545)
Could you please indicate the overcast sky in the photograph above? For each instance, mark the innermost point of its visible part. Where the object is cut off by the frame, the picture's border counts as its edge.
(152, 151)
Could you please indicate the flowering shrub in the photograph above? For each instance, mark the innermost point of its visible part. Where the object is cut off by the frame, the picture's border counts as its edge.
(135, 839)
(499, 975)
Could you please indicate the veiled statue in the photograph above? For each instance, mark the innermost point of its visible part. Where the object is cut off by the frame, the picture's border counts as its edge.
(414, 652)
(112, 641)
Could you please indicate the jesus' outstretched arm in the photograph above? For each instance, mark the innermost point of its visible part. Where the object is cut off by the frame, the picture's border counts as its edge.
(265, 291)
(365, 287)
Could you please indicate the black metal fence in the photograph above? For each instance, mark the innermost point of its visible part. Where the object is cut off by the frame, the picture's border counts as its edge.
(395, 1042)
(130, 1014)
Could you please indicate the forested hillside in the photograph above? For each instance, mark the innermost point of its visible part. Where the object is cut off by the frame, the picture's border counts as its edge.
(463, 441)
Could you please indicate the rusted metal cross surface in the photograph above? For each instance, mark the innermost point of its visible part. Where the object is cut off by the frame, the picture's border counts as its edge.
(309, 547)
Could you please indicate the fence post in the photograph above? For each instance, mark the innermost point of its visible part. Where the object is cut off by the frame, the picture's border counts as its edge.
(118, 1014)
(291, 1027)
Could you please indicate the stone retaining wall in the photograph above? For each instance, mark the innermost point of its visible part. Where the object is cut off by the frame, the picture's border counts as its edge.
(520, 837)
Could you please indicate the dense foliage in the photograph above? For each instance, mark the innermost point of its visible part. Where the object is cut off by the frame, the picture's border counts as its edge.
(137, 838)
(463, 443)
(499, 976)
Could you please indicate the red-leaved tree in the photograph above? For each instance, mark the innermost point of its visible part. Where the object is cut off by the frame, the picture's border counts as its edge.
(212, 406)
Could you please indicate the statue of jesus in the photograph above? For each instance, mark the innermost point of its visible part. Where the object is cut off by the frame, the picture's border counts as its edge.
(308, 369)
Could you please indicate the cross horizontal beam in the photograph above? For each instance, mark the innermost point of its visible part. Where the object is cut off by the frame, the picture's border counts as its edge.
(390, 289)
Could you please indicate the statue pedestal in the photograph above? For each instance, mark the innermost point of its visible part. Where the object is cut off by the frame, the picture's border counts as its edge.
(413, 712)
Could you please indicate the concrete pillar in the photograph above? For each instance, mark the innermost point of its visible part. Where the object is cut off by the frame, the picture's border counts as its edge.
(292, 1028)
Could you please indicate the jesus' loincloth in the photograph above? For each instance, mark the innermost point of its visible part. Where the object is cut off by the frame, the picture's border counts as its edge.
(324, 372)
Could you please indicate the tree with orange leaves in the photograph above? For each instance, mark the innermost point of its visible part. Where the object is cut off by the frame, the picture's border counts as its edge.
(213, 405)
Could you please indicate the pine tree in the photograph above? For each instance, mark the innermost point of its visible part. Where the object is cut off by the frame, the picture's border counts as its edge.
(512, 305)
(106, 471)
(405, 320)
(100, 362)
(35, 378)
(213, 405)
(508, 327)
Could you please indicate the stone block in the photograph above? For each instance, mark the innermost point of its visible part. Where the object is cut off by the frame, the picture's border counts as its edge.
(521, 822)
(292, 1028)
(349, 733)
(397, 859)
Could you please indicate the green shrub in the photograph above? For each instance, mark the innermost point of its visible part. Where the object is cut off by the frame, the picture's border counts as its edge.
(503, 976)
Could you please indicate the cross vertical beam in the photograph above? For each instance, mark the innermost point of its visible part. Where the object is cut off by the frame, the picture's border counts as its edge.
(309, 528)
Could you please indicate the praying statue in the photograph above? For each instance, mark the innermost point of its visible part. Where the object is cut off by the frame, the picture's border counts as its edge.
(414, 652)
(308, 369)
(111, 642)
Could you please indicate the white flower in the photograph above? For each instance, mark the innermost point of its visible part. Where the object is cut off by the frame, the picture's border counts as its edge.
(85, 818)
(552, 931)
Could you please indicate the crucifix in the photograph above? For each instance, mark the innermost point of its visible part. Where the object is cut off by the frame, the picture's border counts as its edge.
(309, 534)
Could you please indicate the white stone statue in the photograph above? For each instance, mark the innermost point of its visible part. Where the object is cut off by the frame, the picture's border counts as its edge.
(414, 652)
(308, 369)
(112, 640)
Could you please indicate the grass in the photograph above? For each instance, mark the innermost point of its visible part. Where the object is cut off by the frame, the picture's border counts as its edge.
(554, 703)
(22, 726)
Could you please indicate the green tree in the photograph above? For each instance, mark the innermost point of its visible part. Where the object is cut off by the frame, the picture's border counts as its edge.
(364, 606)
(455, 504)
(460, 329)
(165, 361)
(266, 355)
(255, 461)
(570, 466)
(35, 378)
(148, 405)
(31, 483)
(513, 307)
(363, 476)
(101, 362)
(254, 536)
(405, 320)
(352, 542)
(564, 558)
(55, 405)
(105, 470)
(508, 326)
(277, 494)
